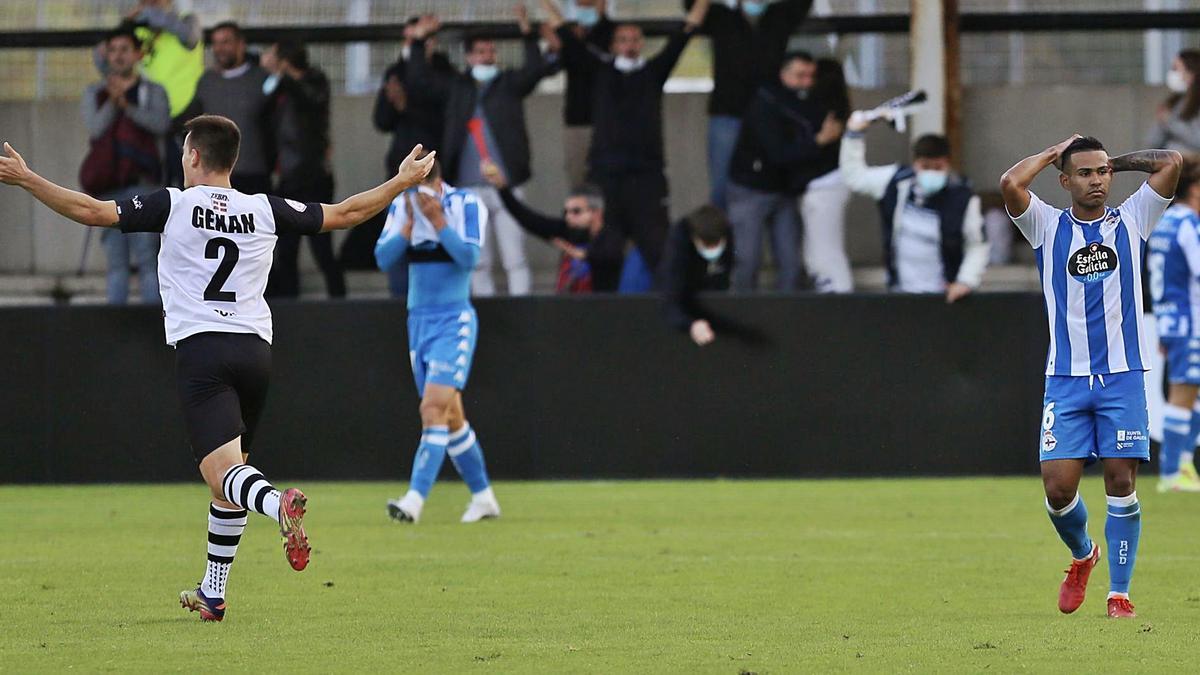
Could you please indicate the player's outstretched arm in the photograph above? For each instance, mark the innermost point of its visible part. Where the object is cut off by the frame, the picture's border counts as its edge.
(1162, 165)
(74, 205)
(1014, 184)
(354, 210)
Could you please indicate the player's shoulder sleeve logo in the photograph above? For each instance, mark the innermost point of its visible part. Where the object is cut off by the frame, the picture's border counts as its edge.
(137, 203)
(299, 206)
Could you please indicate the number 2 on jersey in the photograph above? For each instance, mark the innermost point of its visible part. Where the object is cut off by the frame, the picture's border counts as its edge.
(229, 258)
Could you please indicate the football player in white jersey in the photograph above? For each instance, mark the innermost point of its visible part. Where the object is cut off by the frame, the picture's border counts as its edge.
(1089, 259)
(217, 246)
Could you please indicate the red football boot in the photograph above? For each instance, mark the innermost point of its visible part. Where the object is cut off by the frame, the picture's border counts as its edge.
(1074, 587)
(1120, 608)
(291, 525)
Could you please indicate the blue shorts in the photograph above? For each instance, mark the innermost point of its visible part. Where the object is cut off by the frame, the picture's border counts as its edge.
(441, 344)
(1183, 360)
(1096, 417)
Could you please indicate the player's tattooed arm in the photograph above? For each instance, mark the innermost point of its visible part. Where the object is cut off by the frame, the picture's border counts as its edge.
(74, 205)
(1162, 165)
(1014, 184)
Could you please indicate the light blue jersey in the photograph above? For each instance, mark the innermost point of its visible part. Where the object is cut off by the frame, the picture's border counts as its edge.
(1174, 263)
(442, 325)
(1091, 280)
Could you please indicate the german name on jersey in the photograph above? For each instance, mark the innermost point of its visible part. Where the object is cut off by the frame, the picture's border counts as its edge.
(1091, 276)
(216, 253)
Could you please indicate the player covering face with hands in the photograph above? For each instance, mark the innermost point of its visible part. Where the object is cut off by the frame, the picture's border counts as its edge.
(1089, 258)
(216, 254)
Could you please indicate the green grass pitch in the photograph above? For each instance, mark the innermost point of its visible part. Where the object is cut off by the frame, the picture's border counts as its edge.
(604, 577)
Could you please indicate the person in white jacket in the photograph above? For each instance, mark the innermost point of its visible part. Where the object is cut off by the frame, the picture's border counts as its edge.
(933, 235)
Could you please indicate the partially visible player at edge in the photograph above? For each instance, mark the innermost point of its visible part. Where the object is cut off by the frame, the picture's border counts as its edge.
(1089, 259)
(440, 230)
(1174, 263)
(217, 246)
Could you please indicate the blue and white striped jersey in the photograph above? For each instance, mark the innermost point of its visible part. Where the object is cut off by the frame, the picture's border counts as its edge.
(1091, 275)
(1174, 263)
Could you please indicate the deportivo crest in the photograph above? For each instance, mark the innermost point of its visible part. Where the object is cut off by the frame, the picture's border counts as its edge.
(1049, 442)
(1092, 263)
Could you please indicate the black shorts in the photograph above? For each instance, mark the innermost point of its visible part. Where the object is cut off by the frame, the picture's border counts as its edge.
(222, 379)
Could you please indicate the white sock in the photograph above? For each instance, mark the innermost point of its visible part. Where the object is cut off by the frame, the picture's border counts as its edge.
(484, 495)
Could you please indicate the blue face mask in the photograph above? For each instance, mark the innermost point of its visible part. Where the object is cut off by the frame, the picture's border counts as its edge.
(587, 16)
(753, 8)
(270, 84)
(931, 182)
(710, 254)
(485, 72)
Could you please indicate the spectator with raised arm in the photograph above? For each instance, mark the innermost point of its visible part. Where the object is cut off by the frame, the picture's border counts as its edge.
(127, 118)
(592, 253)
(749, 39)
(626, 159)
(933, 237)
(485, 121)
(591, 25)
(301, 124)
(235, 88)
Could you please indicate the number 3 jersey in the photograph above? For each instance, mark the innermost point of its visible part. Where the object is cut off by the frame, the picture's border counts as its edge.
(216, 253)
(1091, 274)
(1174, 264)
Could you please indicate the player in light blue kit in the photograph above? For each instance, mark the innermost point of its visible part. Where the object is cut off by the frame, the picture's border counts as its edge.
(440, 230)
(1174, 264)
(1089, 259)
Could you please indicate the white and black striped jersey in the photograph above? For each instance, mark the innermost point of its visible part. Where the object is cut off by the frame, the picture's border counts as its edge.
(216, 254)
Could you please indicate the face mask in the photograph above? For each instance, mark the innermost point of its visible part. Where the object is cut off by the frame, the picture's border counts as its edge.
(270, 84)
(485, 72)
(803, 93)
(628, 65)
(1176, 82)
(710, 254)
(406, 52)
(753, 9)
(587, 16)
(931, 182)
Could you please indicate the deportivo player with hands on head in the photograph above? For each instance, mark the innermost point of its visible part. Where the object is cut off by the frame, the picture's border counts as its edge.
(1089, 259)
(216, 253)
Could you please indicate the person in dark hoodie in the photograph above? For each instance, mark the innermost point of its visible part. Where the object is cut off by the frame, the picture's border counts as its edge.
(698, 258)
(485, 122)
(749, 40)
(783, 134)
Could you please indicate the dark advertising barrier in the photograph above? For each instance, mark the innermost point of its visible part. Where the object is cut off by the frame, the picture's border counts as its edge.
(589, 388)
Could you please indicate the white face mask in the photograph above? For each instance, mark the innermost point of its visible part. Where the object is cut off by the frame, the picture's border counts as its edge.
(753, 8)
(270, 84)
(587, 16)
(406, 52)
(485, 72)
(931, 182)
(1176, 81)
(628, 65)
(710, 254)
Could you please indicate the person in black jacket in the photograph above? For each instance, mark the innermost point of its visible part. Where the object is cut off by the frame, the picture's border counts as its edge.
(698, 258)
(301, 126)
(748, 44)
(593, 27)
(593, 255)
(485, 121)
(783, 133)
(626, 157)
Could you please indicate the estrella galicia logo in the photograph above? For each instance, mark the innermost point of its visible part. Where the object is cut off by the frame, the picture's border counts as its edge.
(1092, 263)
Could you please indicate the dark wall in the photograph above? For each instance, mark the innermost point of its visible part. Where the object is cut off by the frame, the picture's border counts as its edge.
(811, 386)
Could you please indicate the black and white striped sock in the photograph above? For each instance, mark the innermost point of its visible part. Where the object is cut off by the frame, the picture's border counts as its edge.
(245, 486)
(224, 532)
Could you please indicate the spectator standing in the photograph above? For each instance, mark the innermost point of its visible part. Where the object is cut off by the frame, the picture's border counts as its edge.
(127, 117)
(823, 202)
(781, 138)
(594, 29)
(301, 126)
(626, 157)
(234, 88)
(1178, 126)
(749, 40)
(485, 121)
(698, 259)
(592, 254)
(933, 237)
